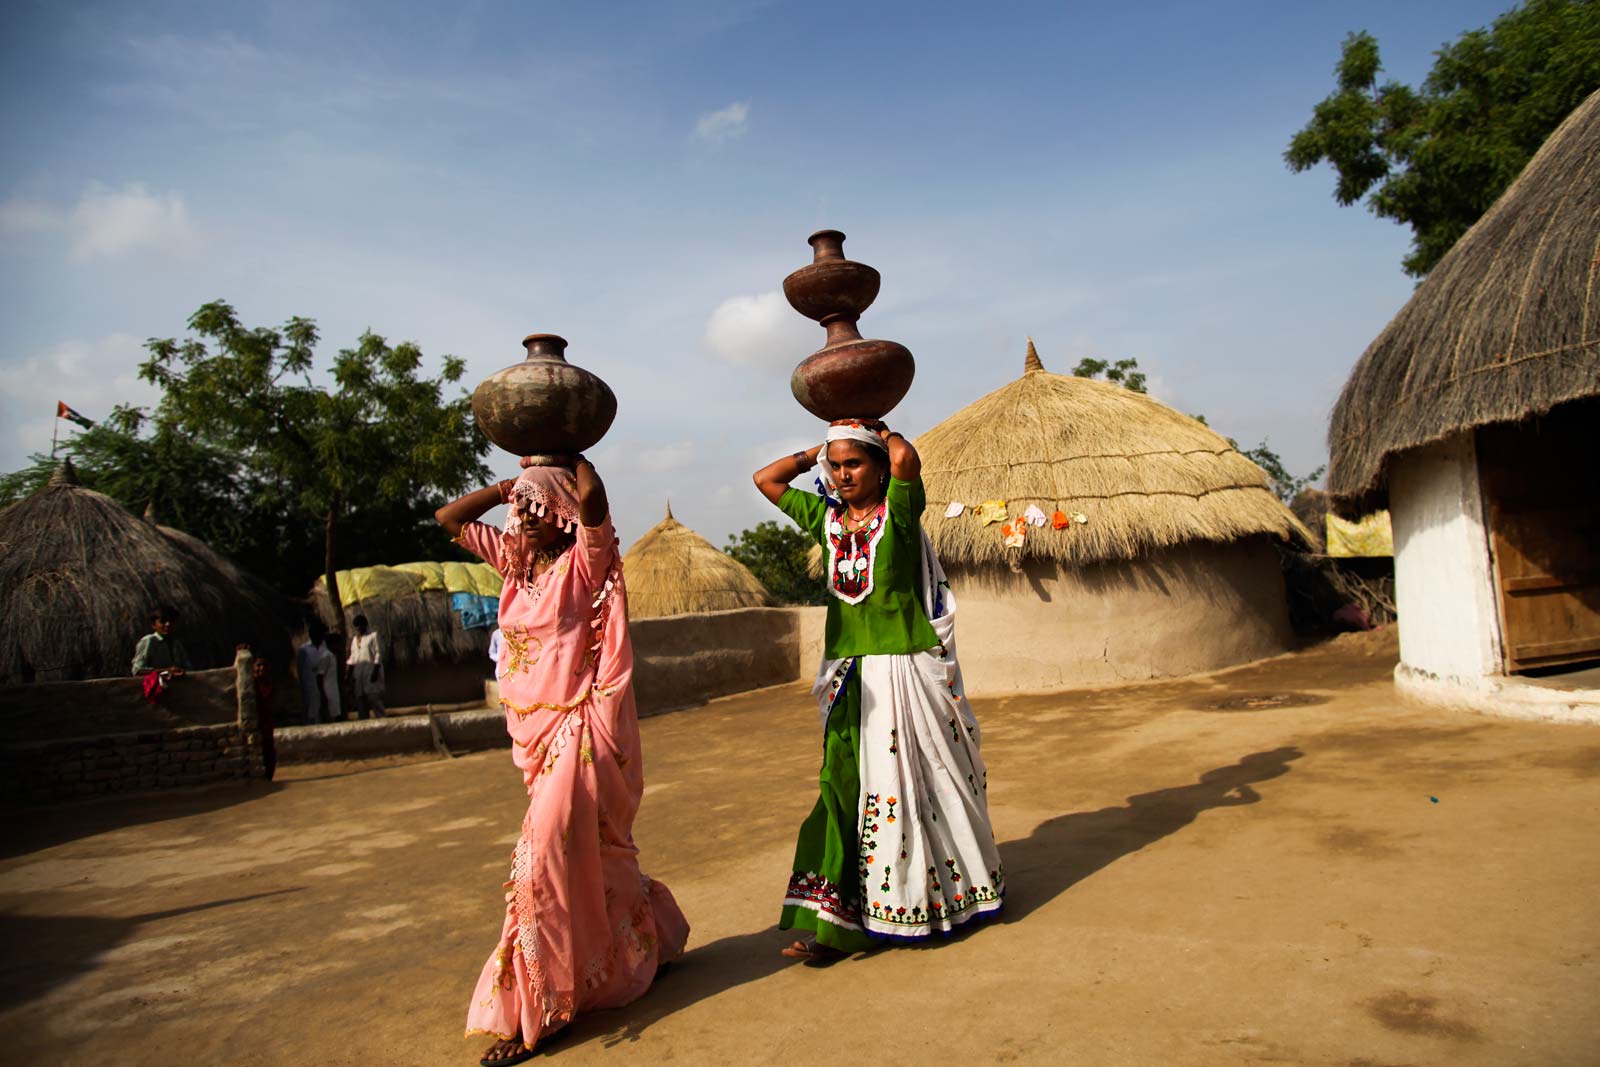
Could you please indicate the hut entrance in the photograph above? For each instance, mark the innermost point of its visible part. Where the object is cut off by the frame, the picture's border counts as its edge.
(1543, 500)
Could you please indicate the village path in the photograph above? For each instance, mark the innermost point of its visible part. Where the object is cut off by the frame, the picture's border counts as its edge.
(1276, 864)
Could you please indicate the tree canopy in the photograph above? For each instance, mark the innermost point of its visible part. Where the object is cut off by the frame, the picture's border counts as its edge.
(776, 554)
(288, 477)
(1435, 159)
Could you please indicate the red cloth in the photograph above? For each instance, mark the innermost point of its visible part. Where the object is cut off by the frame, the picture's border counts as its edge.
(154, 686)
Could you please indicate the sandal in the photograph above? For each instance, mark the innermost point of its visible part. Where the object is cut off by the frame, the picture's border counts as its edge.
(527, 1052)
(813, 954)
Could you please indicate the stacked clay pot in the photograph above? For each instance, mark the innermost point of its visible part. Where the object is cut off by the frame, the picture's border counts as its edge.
(544, 407)
(850, 376)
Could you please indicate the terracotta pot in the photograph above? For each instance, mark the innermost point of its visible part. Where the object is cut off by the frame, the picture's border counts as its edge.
(544, 405)
(849, 376)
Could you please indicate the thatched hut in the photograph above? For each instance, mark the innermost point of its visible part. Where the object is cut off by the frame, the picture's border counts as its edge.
(80, 574)
(433, 622)
(1472, 416)
(1156, 554)
(672, 570)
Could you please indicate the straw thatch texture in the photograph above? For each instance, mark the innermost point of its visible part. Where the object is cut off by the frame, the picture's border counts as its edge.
(672, 570)
(79, 576)
(415, 626)
(1145, 476)
(1506, 326)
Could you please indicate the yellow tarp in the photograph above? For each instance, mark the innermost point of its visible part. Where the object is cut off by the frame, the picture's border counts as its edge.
(409, 579)
(1372, 536)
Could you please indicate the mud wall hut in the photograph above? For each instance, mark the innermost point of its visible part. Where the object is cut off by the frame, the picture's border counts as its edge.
(1472, 417)
(1093, 534)
(80, 574)
(672, 570)
(433, 622)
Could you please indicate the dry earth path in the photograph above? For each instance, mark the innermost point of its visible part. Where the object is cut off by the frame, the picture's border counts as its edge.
(1276, 864)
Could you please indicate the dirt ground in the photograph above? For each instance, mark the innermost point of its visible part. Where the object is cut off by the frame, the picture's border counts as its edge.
(1276, 864)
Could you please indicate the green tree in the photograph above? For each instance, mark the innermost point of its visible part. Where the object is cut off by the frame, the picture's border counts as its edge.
(1435, 159)
(289, 478)
(1124, 372)
(777, 555)
(1284, 485)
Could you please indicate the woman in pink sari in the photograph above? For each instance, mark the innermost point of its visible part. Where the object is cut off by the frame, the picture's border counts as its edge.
(584, 929)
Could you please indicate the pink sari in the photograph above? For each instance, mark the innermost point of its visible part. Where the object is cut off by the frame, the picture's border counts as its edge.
(584, 928)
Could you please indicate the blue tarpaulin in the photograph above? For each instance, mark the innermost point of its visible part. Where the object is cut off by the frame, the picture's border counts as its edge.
(477, 612)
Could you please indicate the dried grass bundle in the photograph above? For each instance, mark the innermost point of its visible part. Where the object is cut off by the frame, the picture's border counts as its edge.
(1145, 476)
(672, 570)
(80, 574)
(416, 628)
(1506, 326)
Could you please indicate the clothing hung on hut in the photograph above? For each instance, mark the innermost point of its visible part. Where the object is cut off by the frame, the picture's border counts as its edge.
(584, 928)
(899, 843)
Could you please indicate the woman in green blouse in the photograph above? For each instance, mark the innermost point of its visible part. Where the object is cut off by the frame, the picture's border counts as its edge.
(898, 845)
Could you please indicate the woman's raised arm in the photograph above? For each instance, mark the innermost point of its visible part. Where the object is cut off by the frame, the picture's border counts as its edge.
(464, 509)
(775, 477)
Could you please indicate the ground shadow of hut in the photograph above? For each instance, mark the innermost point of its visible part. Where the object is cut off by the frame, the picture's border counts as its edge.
(1156, 557)
(1472, 416)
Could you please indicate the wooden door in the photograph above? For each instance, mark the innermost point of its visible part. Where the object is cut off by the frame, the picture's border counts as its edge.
(1541, 485)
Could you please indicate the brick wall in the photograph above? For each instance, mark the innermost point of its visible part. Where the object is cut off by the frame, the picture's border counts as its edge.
(37, 769)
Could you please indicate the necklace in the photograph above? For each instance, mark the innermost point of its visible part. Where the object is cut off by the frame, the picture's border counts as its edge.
(855, 522)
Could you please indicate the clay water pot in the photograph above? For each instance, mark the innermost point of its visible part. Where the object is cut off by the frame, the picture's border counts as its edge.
(544, 405)
(850, 376)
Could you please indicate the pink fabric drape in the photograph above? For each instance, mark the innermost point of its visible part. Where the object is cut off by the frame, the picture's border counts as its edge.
(584, 928)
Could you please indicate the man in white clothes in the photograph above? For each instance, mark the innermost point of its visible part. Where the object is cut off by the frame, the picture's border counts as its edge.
(365, 664)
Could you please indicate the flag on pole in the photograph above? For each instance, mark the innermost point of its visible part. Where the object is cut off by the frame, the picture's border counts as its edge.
(64, 412)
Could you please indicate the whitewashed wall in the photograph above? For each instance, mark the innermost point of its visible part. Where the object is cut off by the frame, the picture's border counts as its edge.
(1444, 578)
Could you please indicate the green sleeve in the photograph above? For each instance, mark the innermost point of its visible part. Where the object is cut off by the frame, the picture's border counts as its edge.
(906, 501)
(806, 509)
(141, 655)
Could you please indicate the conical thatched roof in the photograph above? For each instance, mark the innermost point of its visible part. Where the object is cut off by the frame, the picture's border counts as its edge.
(672, 570)
(1506, 326)
(1145, 476)
(79, 576)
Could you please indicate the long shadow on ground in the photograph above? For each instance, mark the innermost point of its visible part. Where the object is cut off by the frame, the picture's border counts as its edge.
(1058, 854)
(44, 951)
(1065, 850)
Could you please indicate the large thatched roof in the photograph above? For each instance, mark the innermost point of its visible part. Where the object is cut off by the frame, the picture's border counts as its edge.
(1145, 477)
(672, 570)
(1506, 326)
(80, 574)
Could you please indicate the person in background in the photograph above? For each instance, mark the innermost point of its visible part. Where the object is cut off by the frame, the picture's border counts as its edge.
(261, 677)
(159, 657)
(494, 650)
(332, 695)
(311, 663)
(365, 667)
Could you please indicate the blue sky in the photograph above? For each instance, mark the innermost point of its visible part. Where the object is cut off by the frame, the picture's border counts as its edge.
(640, 177)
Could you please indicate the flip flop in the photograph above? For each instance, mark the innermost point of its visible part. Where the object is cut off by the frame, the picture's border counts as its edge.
(547, 1038)
(813, 954)
(516, 1057)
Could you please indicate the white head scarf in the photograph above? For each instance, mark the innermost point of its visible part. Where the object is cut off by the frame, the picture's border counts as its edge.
(860, 435)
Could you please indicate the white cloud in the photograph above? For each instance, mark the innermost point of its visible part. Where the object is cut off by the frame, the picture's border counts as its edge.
(106, 223)
(90, 376)
(718, 126)
(761, 331)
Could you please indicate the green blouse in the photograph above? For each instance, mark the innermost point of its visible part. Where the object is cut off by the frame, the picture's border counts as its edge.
(889, 619)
